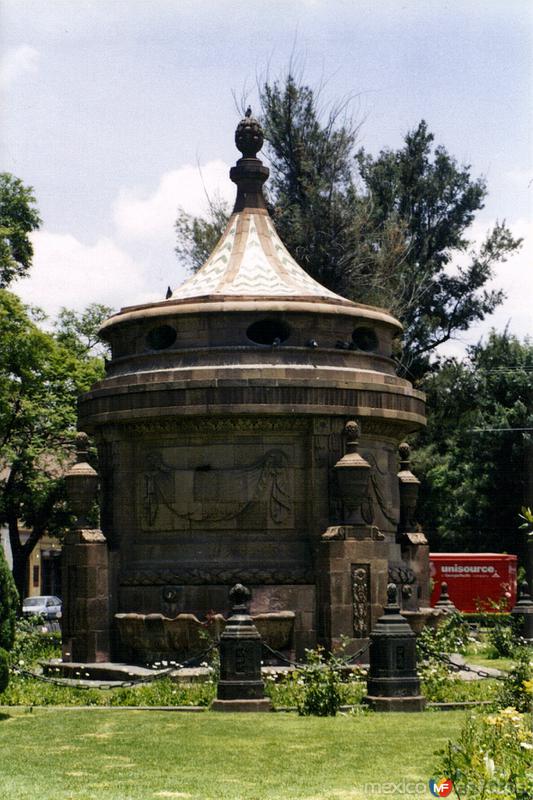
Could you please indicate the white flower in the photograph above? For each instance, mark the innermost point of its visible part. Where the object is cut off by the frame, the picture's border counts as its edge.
(21, 663)
(526, 745)
(489, 764)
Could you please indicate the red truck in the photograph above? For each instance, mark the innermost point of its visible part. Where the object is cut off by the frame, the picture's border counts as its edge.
(476, 581)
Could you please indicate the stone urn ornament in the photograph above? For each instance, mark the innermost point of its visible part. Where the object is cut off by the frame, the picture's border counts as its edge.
(352, 471)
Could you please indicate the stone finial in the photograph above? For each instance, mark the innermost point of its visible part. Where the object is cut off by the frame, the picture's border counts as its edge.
(404, 451)
(444, 602)
(240, 597)
(409, 487)
(82, 482)
(249, 135)
(524, 595)
(81, 443)
(392, 595)
(352, 431)
(249, 173)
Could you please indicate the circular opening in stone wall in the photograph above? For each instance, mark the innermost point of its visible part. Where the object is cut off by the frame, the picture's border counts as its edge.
(161, 337)
(268, 331)
(365, 339)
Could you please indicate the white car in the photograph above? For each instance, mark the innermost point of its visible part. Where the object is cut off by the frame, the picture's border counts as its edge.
(48, 606)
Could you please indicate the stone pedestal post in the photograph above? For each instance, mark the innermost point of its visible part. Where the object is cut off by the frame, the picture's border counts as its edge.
(393, 683)
(240, 687)
(353, 580)
(523, 612)
(85, 625)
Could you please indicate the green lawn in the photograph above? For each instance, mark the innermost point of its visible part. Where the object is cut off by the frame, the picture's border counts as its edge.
(480, 660)
(55, 754)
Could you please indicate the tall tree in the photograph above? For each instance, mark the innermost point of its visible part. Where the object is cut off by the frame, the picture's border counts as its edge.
(434, 200)
(41, 376)
(18, 218)
(472, 456)
(390, 231)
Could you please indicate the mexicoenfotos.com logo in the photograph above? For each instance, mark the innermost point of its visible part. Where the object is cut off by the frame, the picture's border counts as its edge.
(443, 787)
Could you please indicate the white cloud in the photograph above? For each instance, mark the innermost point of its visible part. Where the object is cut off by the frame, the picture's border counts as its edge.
(67, 272)
(138, 258)
(151, 216)
(15, 62)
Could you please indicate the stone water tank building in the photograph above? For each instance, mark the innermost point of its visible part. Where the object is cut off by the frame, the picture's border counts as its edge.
(221, 425)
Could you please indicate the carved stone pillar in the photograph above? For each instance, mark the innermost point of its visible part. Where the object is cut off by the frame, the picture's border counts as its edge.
(415, 548)
(352, 558)
(85, 569)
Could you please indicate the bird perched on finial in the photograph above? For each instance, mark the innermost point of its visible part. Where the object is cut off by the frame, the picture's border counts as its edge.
(249, 135)
(168, 294)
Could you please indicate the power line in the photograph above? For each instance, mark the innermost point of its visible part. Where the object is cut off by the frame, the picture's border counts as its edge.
(495, 430)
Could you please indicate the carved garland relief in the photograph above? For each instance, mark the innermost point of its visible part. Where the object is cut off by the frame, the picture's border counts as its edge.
(175, 496)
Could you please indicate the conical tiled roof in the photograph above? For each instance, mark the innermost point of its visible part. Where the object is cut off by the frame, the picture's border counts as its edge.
(250, 260)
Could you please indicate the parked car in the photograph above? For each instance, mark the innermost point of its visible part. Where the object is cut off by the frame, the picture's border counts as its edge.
(47, 606)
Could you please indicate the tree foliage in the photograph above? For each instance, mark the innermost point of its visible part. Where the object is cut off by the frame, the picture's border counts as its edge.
(312, 192)
(78, 331)
(9, 600)
(472, 458)
(18, 218)
(389, 230)
(433, 201)
(41, 377)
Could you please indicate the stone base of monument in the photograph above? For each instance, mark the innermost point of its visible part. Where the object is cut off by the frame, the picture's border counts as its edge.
(417, 703)
(263, 704)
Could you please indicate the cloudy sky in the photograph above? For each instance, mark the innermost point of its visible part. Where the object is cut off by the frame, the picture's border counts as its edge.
(119, 111)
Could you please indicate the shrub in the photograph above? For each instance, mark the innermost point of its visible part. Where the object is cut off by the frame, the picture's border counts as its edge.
(451, 636)
(320, 679)
(502, 641)
(9, 601)
(4, 670)
(492, 758)
(517, 687)
(32, 643)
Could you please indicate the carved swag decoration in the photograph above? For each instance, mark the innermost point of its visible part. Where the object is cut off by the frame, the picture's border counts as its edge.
(217, 494)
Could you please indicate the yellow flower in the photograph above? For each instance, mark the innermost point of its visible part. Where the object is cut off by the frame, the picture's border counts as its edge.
(528, 686)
